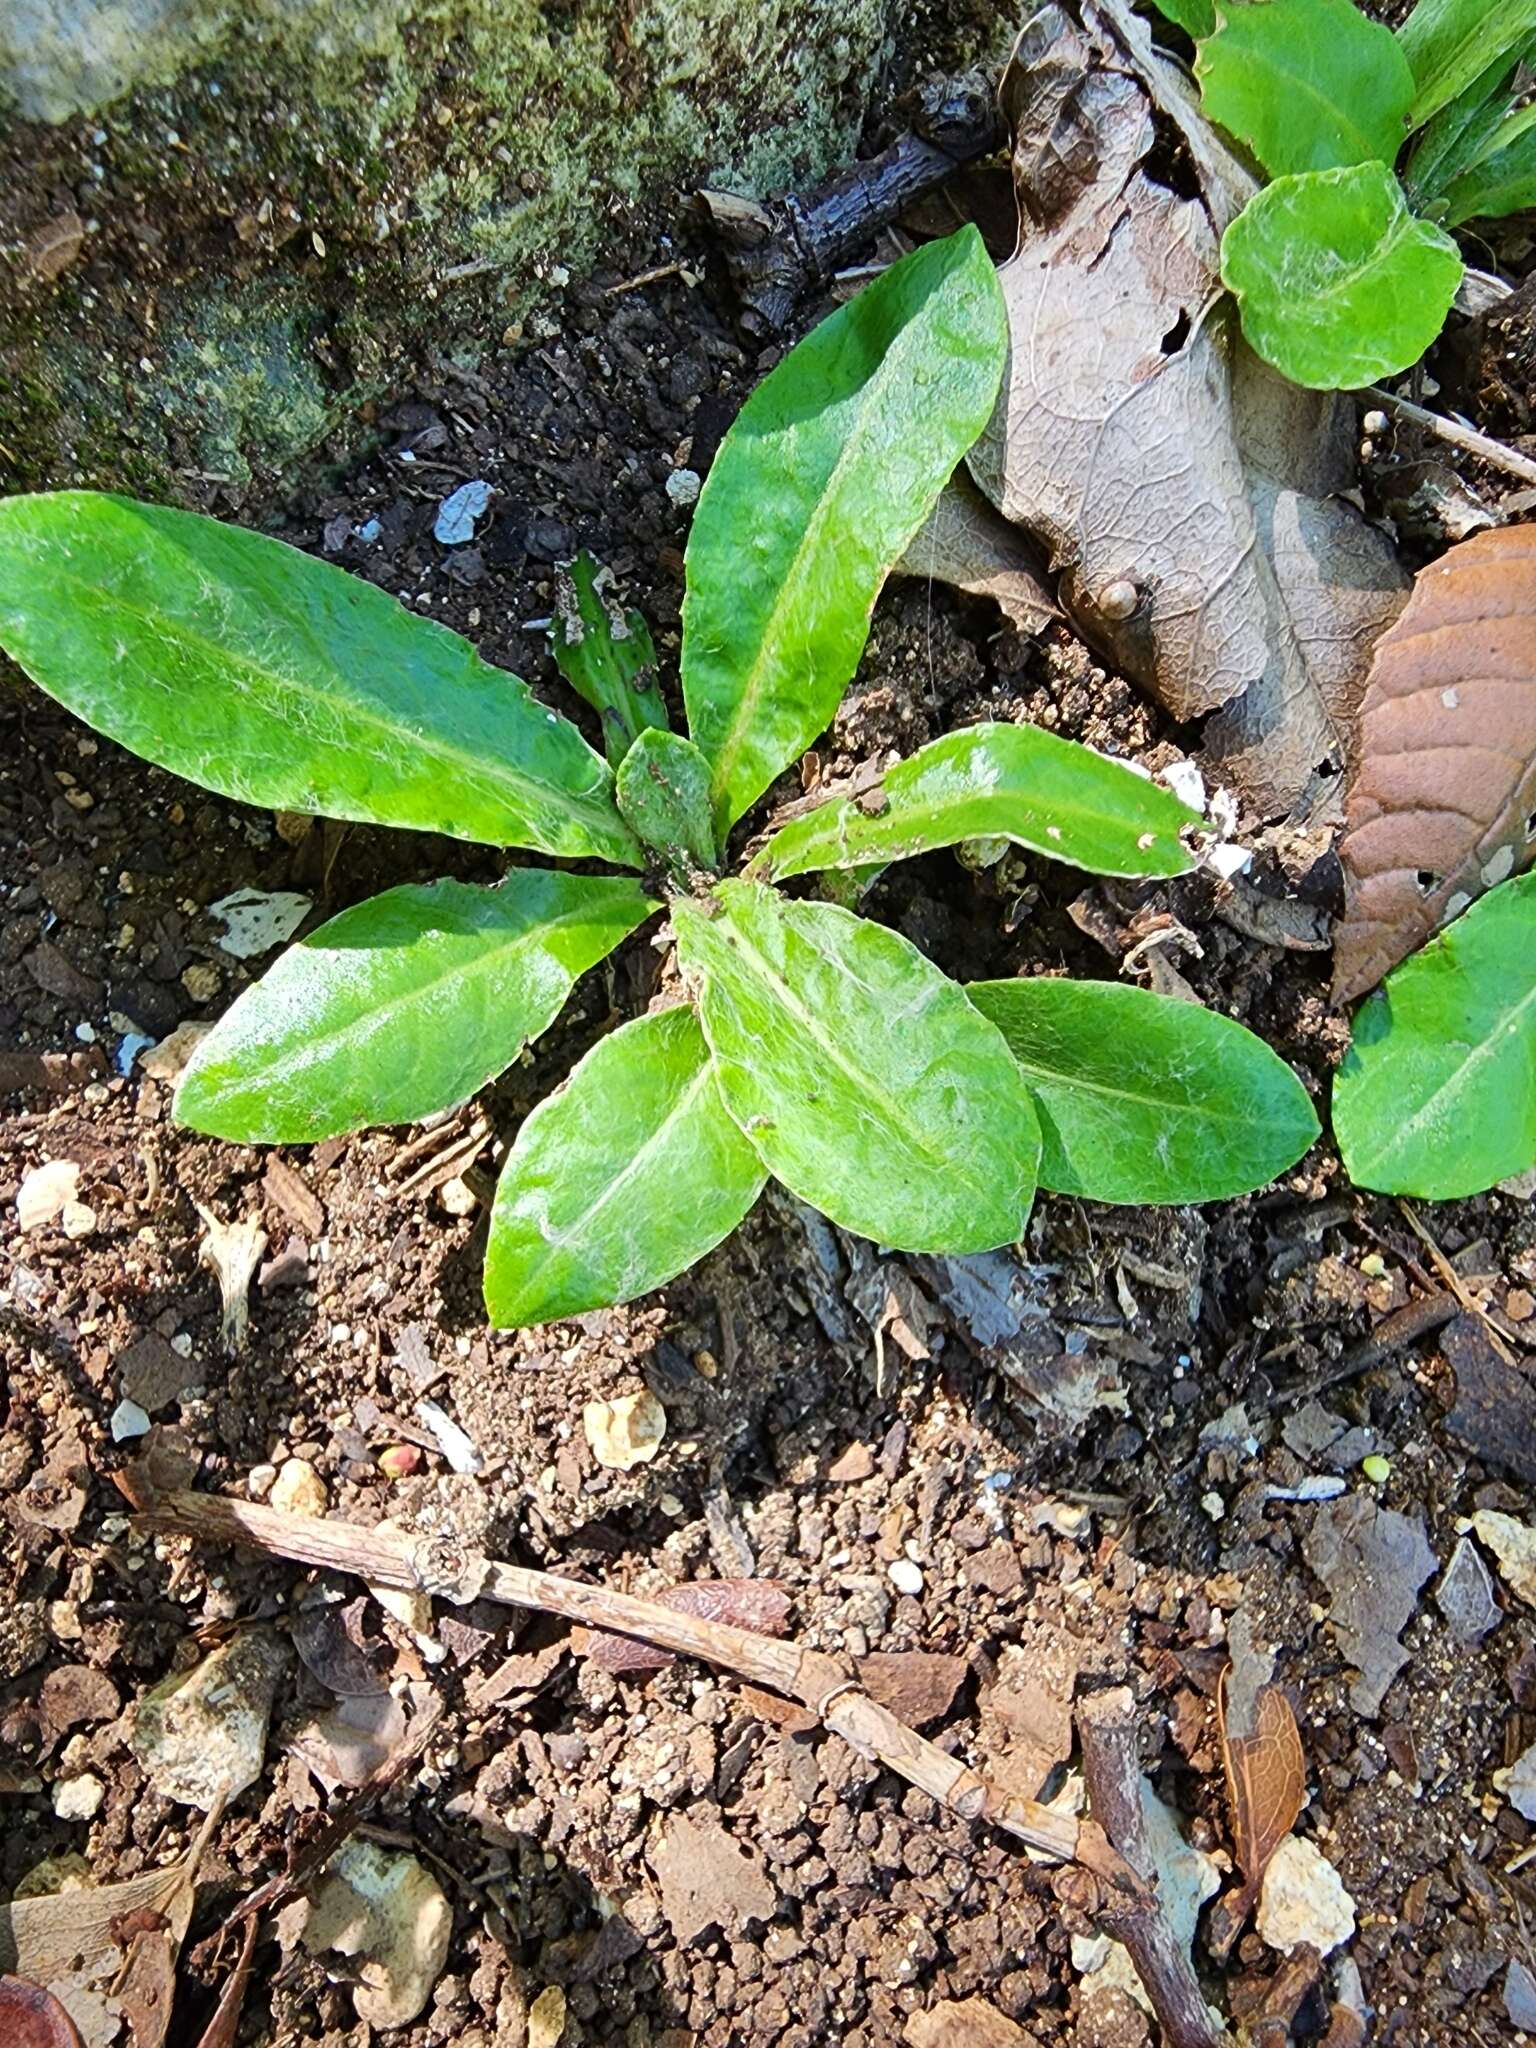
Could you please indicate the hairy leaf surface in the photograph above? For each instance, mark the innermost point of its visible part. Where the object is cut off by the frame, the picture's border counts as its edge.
(1443, 801)
(279, 680)
(997, 781)
(829, 470)
(1144, 1099)
(1448, 43)
(620, 1180)
(1437, 1094)
(1339, 283)
(663, 792)
(1307, 84)
(867, 1082)
(402, 1005)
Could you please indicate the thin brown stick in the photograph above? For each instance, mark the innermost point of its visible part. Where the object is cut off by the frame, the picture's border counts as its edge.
(1495, 453)
(824, 1685)
(1456, 1284)
(1106, 1726)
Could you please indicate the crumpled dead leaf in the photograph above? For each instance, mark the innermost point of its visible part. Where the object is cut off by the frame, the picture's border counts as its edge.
(1442, 804)
(1373, 1562)
(966, 543)
(1266, 1771)
(707, 1879)
(761, 1605)
(1183, 492)
(349, 1743)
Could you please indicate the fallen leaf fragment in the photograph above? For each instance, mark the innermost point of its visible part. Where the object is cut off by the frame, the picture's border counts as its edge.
(350, 1742)
(625, 1432)
(1495, 1410)
(46, 1191)
(256, 920)
(1262, 1757)
(201, 1736)
(1443, 800)
(964, 542)
(1188, 498)
(761, 1605)
(233, 1251)
(706, 1879)
(1465, 1595)
(1520, 1996)
(1303, 1899)
(1514, 1545)
(1518, 1783)
(383, 1909)
(1373, 1562)
(31, 2017)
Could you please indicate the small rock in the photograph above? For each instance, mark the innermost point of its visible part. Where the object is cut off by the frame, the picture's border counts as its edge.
(683, 487)
(167, 1061)
(857, 1462)
(1514, 1545)
(382, 1907)
(917, 1686)
(79, 1798)
(1520, 1996)
(546, 2017)
(1303, 1899)
(626, 1432)
(45, 1192)
(1465, 1595)
(128, 1421)
(260, 1480)
(77, 1220)
(1518, 1783)
(905, 1576)
(201, 1736)
(152, 1373)
(458, 1197)
(457, 514)
(202, 981)
(298, 1489)
(455, 1446)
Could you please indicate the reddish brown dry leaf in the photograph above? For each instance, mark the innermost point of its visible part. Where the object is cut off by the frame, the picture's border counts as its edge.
(758, 1604)
(1443, 803)
(1266, 1777)
(31, 2017)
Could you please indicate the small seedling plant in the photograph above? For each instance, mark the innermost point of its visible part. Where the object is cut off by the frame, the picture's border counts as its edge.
(1375, 145)
(813, 1045)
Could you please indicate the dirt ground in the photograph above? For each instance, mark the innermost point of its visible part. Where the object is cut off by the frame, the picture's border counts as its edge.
(1083, 1463)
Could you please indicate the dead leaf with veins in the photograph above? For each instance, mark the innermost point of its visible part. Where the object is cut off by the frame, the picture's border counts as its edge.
(1186, 496)
(966, 543)
(1443, 801)
(1265, 1769)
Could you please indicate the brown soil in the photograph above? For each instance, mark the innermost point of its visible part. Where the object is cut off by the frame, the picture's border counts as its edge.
(1093, 1489)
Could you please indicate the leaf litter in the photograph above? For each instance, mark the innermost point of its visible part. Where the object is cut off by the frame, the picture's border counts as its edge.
(1190, 501)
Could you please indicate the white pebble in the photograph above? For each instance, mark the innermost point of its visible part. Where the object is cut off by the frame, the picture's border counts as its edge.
(683, 486)
(905, 1576)
(78, 1798)
(128, 1420)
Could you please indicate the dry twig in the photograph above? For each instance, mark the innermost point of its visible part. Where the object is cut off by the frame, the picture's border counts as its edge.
(1495, 453)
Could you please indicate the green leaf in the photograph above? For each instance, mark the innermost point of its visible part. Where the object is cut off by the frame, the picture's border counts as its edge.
(1449, 42)
(1339, 285)
(1457, 138)
(1437, 1094)
(606, 654)
(620, 1180)
(1309, 85)
(402, 1005)
(829, 470)
(1143, 1099)
(663, 792)
(261, 673)
(862, 1075)
(1504, 180)
(1197, 18)
(996, 781)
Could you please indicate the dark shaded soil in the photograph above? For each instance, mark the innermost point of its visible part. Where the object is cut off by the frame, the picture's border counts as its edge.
(1092, 1490)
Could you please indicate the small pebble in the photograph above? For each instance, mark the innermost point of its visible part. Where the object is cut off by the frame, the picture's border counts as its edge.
(683, 487)
(128, 1420)
(260, 1480)
(79, 1798)
(298, 1489)
(905, 1576)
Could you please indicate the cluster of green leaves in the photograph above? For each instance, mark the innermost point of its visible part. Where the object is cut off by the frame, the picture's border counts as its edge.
(1437, 1094)
(1344, 271)
(812, 1045)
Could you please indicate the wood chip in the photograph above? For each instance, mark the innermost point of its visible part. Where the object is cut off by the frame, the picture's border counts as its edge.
(293, 1195)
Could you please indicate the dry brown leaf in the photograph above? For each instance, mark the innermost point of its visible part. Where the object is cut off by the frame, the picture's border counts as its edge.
(1443, 801)
(963, 541)
(761, 1605)
(1184, 493)
(1266, 1775)
(31, 2017)
(707, 1879)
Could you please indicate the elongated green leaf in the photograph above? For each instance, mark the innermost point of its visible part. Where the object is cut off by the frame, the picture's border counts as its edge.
(279, 680)
(1142, 1099)
(1339, 284)
(1437, 1094)
(996, 782)
(1503, 181)
(829, 470)
(663, 792)
(606, 654)
(1458, 137)
(1449, 42)
(862, 1075)
(620, 1180)
(1309, 85)
(402, 1005)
